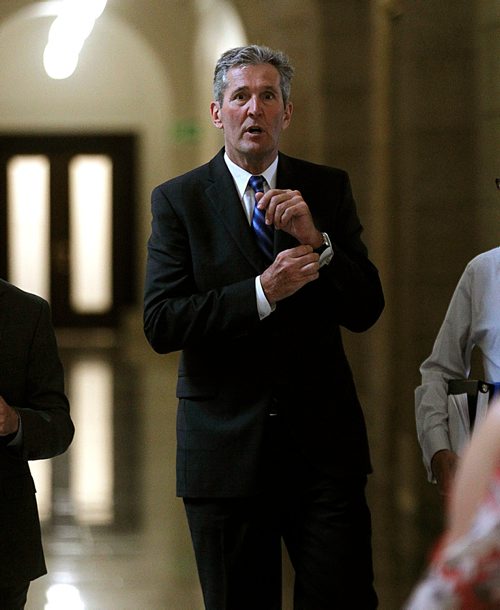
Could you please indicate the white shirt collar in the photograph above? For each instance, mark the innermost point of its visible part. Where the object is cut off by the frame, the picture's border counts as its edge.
(241, 176)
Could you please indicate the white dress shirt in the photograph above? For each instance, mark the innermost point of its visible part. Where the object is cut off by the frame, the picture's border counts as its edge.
(247, 197)
(472, 320)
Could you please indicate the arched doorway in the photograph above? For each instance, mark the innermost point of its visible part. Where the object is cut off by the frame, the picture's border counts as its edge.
(120, 87)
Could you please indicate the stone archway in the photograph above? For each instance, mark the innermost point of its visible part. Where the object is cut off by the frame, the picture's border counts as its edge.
(120, 85)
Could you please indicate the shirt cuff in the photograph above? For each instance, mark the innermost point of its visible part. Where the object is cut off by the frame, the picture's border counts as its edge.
(434, 441)
(263, 306)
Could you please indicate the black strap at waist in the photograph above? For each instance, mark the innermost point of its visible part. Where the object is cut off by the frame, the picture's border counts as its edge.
(472, 387)
(469, 386)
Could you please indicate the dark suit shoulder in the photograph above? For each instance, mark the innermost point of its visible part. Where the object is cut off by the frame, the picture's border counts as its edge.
(20, 298)
(303, 167)
(190, 177)
(188, 193)
(199, 175)
(312, 179)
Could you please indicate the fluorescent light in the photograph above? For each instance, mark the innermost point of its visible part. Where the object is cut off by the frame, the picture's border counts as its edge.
(67, 34)
(58, 62)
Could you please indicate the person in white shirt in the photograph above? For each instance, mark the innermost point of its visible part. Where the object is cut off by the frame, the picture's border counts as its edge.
(472, 321)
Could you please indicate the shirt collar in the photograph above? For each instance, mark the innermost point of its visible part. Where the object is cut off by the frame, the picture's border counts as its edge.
(241, 176)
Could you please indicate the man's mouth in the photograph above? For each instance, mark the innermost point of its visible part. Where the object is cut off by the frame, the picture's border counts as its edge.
(254, 129)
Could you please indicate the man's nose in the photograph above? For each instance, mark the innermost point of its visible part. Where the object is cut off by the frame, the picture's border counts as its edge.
(254, 105)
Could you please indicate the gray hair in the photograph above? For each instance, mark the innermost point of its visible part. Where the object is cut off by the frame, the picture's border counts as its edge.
(252, 55)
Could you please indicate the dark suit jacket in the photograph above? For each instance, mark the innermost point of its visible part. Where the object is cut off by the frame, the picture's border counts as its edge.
(31, 380)
(200, 298)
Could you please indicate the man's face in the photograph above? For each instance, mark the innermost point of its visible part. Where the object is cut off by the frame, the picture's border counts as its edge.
(252, 116)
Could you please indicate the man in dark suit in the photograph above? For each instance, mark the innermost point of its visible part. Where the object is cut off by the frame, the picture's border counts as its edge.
(34, 424)
(271, 437)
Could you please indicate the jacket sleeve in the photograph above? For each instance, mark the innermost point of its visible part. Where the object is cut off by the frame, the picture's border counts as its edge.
(177, 312)
(351, 279)
(47, 428)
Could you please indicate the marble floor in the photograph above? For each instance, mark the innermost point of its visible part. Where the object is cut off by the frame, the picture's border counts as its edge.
(115, 535)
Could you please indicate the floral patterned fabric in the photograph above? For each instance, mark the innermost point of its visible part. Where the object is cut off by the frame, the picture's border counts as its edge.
(465, 575)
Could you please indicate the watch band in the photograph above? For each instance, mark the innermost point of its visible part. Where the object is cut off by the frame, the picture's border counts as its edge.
(325, 251)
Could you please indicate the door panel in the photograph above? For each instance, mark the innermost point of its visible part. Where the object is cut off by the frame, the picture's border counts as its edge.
(91, 258)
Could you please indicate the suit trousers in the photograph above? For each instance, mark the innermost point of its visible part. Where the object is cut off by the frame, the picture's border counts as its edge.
(324, 522)
(14, 597)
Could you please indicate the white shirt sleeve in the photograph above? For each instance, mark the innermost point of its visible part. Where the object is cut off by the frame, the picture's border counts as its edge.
(450, 359)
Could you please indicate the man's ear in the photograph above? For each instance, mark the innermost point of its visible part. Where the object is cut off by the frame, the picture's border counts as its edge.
(287, 116)
(216, 115)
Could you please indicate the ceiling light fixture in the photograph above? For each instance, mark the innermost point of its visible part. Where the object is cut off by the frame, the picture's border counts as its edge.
(67, 34)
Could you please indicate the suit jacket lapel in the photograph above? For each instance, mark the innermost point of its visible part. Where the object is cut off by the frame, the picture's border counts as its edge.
(223, 196)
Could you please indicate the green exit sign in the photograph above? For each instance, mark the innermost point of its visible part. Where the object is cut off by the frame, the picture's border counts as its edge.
(186, 132)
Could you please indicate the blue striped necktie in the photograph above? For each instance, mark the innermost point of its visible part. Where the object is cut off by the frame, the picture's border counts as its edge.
(263, 232)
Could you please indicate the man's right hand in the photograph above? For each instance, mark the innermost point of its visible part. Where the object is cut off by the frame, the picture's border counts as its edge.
(443, 465)
(291, 270)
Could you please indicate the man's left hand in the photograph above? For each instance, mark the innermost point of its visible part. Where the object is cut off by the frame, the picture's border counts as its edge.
(287, 210)
(9, 419)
